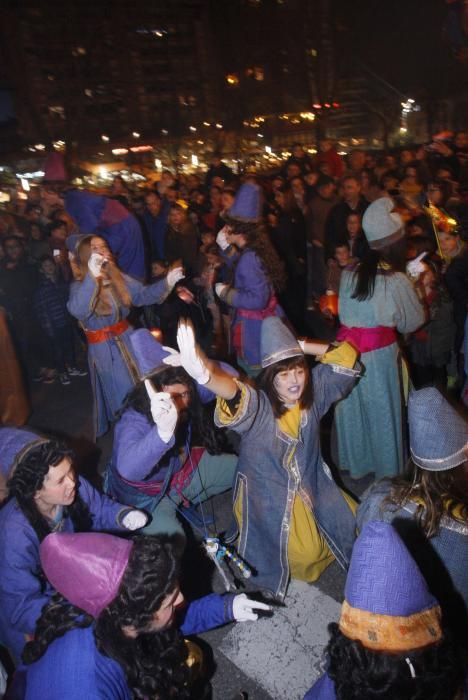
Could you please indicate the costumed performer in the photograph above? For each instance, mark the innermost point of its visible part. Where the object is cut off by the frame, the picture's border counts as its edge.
(429, 505)
(389, 643)
(122, 635)
(167, 451)
(45, 495)
(94, 213)
(257, 272)
(376, 300)
(293, 520)
(101, 298)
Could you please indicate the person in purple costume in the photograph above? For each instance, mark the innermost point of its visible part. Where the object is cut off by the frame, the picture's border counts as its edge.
(101, 298)
(389, 643)
(45, 495)
(117, 632)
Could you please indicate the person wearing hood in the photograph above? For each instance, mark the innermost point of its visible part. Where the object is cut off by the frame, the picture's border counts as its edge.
(292, 518)
(376, 301)
(167, 453)
(390, 641)
(257, 276)
(44, 495)
(116, 629)
(428, 505)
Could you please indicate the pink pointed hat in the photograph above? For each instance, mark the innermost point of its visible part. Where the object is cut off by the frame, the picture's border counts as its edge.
(86, 568)
(54, 168)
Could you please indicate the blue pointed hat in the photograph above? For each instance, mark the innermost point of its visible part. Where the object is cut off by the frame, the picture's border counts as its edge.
(388, 606)
(381, 224)
(247, 207)
(15, 444)
(277, 342)
(438, 434)
(148, 353)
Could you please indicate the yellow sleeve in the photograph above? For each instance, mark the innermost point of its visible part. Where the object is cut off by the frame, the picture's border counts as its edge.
(344, 355)
(228, 411)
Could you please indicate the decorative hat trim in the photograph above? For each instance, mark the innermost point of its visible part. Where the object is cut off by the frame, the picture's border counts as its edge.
(379, 243)
(442, 464)
(390, 633)
(283, 354)
(25, 451)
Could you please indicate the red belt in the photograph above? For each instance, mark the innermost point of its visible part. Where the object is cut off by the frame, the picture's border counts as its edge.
(368, 339)
(269, 310)
(107, 333)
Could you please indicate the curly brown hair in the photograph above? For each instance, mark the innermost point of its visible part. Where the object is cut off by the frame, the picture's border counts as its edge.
(257, 239)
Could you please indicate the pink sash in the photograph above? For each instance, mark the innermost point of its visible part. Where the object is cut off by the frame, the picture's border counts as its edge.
(368, 339)
(269, 310)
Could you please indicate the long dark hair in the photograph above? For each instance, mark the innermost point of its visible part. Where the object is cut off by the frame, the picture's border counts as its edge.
(365, 275)
(437, 494)
(28, 478)
(361, 674)
(265, 382)
(204, 432)
(153, 662)
(257, 240)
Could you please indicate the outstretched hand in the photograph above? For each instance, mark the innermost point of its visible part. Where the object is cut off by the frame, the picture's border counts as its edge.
(163, 410)
(189, 356)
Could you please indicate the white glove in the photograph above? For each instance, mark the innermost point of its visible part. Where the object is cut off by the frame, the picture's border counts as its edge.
(220, 287)
(173, 359)
(243, 608)
(163, 411)
(189, 358)
(221, 239)
(301, 344)
(415, 267)
(134, 520)
(94, 264)
(173, 276)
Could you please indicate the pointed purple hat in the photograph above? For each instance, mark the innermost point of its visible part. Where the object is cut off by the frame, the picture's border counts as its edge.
(54, 168)
(247, 207)
(86, 568)
(148, 353)
(388, 606)
(15, 444)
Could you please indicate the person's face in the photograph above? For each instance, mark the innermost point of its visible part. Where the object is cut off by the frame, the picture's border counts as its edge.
(353, 225)
(324, 146)
(411, 173)
(164, 617)
(342, 255)
(326, 191)
(48, 268)
(153, 204)
(13, 250)
(406, 157)
(293, 170)
(215, 197)
(390, 162)
(298, 152)
(443, 174)
(59, 487)
(279, 199)
(208, 238)
(176, 217)
(35, 214)
(36, 233)
(448, 244)
(351, 190)
(289, 384)
(171, 195)
(99, 245)
(311, 178)
(357, 160)
(180, 394)
(434, 194)
(59, 234)
(461, 139)
(237, 239)
(297, 186)
(227, 200)
(276, 184)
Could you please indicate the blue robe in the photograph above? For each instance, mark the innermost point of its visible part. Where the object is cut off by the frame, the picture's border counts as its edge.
(323, 689)
(22, 592)
(73, 669)
(370, 421)
(109, 219)
(109, 361)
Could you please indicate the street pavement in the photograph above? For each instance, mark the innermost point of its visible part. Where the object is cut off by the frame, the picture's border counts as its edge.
(276, 658)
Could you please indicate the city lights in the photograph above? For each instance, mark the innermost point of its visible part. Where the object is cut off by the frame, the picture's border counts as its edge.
(135, 134)
(104, 138)
(232, 79)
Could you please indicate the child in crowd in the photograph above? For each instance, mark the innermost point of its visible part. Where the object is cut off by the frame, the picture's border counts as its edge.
(335, 265)
(50, 307)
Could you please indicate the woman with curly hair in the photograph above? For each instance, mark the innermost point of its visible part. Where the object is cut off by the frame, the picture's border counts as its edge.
(101, 298)
(429, 505)
(45, 495)
(258, 276)
(117, 632)
(166, 449)
(390, 643)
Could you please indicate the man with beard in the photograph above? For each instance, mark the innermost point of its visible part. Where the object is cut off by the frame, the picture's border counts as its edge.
(167, 452)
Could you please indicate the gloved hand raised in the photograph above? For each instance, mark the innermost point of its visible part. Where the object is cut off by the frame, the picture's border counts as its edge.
(221, 239)
(243, 608)
(173, 276)
(219, 289)
(163, 411)
(134, 520)
(189, 357)
(415, 267)
(94, 263)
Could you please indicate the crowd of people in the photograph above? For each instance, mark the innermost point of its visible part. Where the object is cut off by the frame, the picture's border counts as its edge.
(223, 317)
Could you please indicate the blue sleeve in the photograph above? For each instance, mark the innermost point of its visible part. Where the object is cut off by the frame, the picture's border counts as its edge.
(330, 386)
(206, 613)
(21, 593)
(137, 446)
(143, 295)
(106, 513)
(82, 298)
(252, 288)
